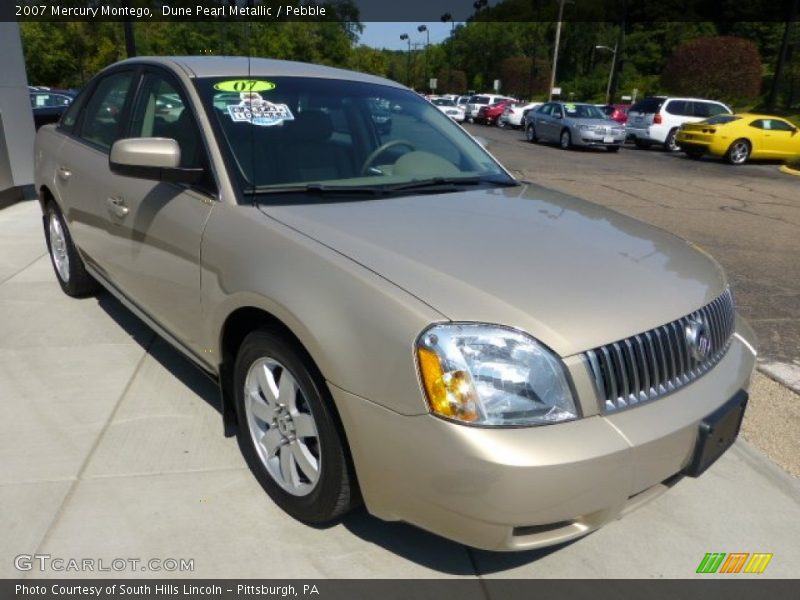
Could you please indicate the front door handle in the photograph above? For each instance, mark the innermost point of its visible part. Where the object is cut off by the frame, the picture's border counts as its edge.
(117, 207)
(64, 173)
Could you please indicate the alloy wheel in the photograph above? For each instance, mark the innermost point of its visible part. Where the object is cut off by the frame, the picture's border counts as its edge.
(58, 247)
(282, 427)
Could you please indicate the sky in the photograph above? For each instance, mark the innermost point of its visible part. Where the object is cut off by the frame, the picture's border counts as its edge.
(387, 35)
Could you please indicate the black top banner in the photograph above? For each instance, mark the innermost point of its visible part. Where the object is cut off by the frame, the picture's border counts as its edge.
(629, 11)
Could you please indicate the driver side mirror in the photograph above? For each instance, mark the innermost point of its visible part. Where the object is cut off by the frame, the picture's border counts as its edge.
(151, 158)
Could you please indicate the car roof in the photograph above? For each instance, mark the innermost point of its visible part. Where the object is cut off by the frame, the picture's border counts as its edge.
(239, 66)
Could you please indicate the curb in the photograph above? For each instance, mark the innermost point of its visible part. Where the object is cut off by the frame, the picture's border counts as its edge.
(791, 169)
(766, 370)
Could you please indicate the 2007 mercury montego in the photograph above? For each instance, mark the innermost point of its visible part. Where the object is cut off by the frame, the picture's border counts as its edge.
(390, 315)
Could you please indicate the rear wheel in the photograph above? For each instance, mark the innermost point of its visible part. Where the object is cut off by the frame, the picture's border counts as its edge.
(288, 430)
(671, 144)
(530, 134)
(738, 153)
(566, 140)
(67, 262)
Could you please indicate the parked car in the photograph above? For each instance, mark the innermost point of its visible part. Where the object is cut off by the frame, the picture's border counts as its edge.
(450, 108)
(48, 105)
(394, 318)
(656, 119)
(476, 102)
(573, 124)
(489, 115)
(739, 138)
(617, 112)
(514, 113)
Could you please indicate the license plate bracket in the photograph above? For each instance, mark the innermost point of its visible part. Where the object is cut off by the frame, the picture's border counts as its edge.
(717, 432)
(609, 139)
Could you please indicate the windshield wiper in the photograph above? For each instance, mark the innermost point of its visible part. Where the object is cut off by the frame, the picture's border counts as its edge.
(314, 188)
(448, 183)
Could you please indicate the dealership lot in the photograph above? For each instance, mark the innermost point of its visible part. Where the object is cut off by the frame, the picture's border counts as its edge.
(112, 443)
(747, 217)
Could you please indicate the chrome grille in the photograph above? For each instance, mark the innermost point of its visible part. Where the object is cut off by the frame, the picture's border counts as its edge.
(654, 363)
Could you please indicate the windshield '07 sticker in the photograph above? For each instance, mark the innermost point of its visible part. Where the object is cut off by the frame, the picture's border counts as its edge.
(253, 109)
(244, 85)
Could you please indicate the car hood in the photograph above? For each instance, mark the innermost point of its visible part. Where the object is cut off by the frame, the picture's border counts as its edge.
(571, 273)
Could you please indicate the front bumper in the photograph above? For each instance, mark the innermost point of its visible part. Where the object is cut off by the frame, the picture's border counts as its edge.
(523, 488)
(582, 137)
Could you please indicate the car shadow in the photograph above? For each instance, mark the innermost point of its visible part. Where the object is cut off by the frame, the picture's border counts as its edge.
(168, 357)
(406, 541)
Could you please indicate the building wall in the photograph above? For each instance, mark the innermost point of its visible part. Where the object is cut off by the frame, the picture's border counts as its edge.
(16, 120)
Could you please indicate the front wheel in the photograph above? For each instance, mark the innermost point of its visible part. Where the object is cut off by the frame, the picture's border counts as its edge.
(288, 431)
(566, 140)
(67, 262)
(738, 153)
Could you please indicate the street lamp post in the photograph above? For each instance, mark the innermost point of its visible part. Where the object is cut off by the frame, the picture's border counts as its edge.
(405, 38)
(424, 28)
(613, 66)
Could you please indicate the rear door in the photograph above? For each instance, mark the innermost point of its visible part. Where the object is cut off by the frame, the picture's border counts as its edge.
(83, 180)
(641, 114)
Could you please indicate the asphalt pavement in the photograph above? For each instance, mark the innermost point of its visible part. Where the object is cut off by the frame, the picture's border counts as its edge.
(111, 446)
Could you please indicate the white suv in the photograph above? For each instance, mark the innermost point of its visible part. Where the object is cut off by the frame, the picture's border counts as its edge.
(478, 101)
(656, 119)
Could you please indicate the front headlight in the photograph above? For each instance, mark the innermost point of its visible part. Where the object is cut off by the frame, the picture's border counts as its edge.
(492, 375)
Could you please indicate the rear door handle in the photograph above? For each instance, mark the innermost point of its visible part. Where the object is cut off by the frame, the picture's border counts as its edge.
(64, 173)
(117, 207)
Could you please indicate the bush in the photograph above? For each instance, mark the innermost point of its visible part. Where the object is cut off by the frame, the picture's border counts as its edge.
(722, 68)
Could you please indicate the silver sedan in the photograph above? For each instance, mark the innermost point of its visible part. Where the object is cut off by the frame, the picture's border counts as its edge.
(571, 124)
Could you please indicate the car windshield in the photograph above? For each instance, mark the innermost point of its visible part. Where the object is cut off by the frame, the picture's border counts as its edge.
(583, 111)
(443, 102)
(298, 133)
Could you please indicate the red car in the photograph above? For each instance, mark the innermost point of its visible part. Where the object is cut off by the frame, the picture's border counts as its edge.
(489, 114)
(617, 112)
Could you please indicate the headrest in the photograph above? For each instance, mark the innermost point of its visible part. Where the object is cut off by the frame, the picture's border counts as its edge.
(310, 126)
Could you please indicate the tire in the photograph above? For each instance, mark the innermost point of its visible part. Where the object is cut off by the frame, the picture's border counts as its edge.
(739, 152)
(501, 124)
(670, 144)
(613, 149)
(67, 263)
(311, 477)
(641, 144)
(530, 134)
(565, 140)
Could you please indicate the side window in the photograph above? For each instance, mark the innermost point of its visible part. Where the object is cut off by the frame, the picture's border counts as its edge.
(679, 107)
(778, 125)
(162, 112)
(758, 124)
(556, 111)
(716, 109)
(101, 124)
(71, 114)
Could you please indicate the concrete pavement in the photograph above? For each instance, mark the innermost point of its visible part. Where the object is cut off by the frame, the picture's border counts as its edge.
(111, 446)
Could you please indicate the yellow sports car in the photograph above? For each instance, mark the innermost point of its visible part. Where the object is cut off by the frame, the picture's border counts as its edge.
(738, 138)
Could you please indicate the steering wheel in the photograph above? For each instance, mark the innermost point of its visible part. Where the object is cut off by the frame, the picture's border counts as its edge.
(380, 150)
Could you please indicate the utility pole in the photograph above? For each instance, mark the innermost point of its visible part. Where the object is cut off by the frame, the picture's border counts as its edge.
(424, 28)
(611, 72)
(130, 40)
(405, 38)
(555, 51)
